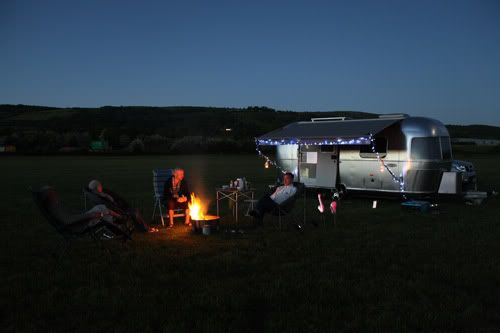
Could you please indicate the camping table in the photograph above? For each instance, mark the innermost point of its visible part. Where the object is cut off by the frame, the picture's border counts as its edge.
(233, 195)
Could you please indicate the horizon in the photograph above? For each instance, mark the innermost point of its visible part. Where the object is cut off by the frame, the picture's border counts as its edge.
(427, 58)
(228, 107)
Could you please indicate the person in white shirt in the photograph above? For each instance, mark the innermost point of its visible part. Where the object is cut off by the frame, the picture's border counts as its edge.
(268, 203)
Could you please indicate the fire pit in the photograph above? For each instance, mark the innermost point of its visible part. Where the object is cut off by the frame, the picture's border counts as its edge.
(199, 221)
(205, 224)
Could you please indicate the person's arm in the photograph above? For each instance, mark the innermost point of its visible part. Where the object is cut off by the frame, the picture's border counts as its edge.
(275, 192)
(283, 193)
(185, 189)
(290, 193)
(112, 213)
(107, 197)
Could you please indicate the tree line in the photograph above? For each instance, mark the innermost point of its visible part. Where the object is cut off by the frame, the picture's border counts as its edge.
(142, 129)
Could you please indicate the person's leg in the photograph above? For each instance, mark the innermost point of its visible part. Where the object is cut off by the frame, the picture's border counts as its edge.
(265, 205)
(139, 222)
(171, 207)
(185, 207)
(171, 218)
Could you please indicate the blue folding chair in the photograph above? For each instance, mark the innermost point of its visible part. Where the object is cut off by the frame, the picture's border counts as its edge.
(160, 176)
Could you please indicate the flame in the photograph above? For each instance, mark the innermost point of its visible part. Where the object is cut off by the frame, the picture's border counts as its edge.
(196, 208)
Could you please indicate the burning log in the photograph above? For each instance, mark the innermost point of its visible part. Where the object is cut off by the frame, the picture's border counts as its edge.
(199, 220)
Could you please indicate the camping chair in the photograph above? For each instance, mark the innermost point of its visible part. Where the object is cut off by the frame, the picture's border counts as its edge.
(160, 176)
(285, 210)
(119, 205)
(71, 225)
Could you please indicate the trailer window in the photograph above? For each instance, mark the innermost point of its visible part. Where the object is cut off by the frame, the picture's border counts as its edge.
(446, 147)
(425, 149)
(366, 151)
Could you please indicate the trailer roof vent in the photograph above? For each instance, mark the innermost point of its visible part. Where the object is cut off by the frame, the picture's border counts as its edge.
(393, 115)
(330, 119)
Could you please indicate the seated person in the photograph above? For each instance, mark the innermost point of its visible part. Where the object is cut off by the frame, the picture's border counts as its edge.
(95, 187)
(176, 195)
(269, 202)
(101, 211)
(113, 201)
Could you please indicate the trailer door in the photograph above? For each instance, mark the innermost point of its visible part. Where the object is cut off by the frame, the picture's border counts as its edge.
(326, 174)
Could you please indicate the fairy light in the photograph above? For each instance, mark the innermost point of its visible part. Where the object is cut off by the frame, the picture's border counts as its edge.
(363, 140)
(268, 162)
(399, 180)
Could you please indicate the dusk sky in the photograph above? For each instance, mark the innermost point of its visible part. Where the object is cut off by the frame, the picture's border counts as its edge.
(439, 59)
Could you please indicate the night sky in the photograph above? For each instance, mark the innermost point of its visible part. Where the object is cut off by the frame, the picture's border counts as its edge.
(429, 58)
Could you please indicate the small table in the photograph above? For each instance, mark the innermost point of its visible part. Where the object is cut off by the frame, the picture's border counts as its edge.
(233, 195)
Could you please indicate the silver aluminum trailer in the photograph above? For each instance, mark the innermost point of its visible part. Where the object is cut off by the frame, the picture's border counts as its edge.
(390, 154)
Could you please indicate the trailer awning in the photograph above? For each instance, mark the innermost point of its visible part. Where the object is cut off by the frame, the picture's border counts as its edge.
(341, 132)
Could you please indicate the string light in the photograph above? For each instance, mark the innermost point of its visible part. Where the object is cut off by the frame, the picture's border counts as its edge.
(268, 161)
(370, 140)
(314, 142)
(399, 180)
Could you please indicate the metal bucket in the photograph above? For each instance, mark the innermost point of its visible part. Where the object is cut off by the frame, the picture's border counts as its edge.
(206, 230)
(210, 222)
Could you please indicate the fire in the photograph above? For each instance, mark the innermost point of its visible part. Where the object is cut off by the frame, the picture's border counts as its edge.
(196, 208)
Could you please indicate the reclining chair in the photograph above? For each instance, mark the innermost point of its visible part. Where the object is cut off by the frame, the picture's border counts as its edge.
(119, 205)
(285, 210)
(71, 225)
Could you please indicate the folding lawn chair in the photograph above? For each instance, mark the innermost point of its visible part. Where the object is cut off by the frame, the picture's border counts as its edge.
(70, 225)
(160, 176)
(118, 205)
(285, 211)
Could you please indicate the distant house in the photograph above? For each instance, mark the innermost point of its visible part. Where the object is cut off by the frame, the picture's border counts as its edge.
(478, 142)
(6, 148)
(99, 146)
(70, 150)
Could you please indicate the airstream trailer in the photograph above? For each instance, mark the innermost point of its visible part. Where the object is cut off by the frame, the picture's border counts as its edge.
(390, 154)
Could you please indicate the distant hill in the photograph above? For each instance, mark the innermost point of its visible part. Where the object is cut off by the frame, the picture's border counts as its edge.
(163, 129)
(185, 120)
(174, 121)
(474, 131)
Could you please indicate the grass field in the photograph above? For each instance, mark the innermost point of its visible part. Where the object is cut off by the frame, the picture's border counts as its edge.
(376, 270)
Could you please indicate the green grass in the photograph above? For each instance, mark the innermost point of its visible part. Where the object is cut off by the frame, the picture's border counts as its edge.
(384, 270)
